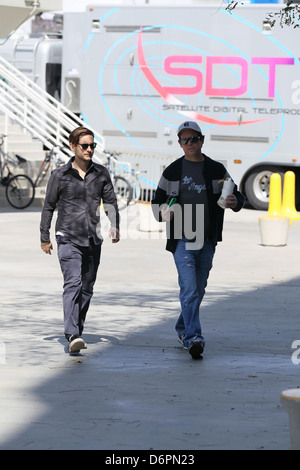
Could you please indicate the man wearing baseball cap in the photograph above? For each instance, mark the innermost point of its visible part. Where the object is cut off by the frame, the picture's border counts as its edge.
(189, 125)
(187, 199)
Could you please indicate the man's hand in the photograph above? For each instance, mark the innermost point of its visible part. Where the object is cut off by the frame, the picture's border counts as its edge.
(47, 247)
(166, 213)
(231, 201)
(114, 235)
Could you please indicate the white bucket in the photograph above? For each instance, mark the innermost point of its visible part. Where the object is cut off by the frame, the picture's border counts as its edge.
(291, 402)
(274, 230)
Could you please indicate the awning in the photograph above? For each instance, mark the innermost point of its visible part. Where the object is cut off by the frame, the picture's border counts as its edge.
(13, 13)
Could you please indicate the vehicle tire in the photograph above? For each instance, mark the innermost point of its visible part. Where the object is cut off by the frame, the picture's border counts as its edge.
(123, 191)
(20, 191)
(257, 186)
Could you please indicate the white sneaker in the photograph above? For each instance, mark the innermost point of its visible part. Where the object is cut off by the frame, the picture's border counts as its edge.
(76, 345)
(181, 341)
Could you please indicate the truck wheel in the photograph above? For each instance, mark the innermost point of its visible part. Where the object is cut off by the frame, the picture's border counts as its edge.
(257, 186)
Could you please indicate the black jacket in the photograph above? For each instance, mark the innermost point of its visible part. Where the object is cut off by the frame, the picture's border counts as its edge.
(78, 203)
(169, 185)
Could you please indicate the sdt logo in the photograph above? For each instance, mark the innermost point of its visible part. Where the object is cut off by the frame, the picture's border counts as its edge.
(296, 354)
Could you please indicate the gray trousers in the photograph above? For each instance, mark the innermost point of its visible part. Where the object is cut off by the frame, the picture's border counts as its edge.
(79, 266)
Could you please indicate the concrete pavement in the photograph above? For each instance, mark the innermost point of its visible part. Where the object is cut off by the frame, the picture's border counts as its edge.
(134, 388)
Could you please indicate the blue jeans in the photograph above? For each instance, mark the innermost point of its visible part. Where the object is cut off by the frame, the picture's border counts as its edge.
(193, 267)
(79, 267)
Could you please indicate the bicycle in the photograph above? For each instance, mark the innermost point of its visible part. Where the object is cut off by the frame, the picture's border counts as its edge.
(50, 162)
(122, 187)
(19, 188)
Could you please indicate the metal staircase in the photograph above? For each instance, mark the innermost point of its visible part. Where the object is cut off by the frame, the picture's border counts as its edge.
(24, 103)
(33, 120)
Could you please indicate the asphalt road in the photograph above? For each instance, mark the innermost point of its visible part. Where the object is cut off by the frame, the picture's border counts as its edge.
(135, 388)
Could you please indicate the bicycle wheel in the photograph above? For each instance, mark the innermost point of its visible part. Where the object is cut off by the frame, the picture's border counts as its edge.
(123, 191)
(20, 191)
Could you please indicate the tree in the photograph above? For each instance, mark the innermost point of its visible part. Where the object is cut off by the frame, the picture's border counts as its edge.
(289, 15)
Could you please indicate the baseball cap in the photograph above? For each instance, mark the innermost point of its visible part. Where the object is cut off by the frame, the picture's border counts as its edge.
(189, 125)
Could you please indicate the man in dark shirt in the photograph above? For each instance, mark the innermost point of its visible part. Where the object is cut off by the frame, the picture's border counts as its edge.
(194, 225)
(76, 191)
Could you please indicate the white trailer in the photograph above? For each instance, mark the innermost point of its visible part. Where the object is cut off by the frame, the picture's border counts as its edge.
(135, 73)
(39, 58)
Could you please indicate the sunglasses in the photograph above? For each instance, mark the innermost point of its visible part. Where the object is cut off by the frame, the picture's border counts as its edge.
(85, 146)
(193, 140)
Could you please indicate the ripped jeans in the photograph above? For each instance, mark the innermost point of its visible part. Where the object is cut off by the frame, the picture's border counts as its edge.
(193, 267)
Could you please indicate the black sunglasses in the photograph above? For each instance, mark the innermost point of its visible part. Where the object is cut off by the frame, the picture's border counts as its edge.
(85, 146)
(193, 140)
